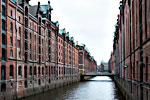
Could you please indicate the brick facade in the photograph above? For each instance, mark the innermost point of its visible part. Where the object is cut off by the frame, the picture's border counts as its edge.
(33, 50)
(132, 42)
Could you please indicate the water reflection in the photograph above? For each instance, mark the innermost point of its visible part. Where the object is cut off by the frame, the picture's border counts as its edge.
(98, 88)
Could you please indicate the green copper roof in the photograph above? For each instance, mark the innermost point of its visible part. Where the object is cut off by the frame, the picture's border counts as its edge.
(76, 43)
(67, 34)
(71, 38)
(61, 31)
(56, 23)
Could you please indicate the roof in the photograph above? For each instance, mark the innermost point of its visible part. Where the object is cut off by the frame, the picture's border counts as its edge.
(45, 8)
(61, 31)
(55, 23)
(67, 34)
(33, 10)
(71, 38)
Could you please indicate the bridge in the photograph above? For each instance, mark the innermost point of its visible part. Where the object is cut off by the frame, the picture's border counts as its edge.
(83, 77)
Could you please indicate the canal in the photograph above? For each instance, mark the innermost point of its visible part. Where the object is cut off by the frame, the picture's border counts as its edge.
(97, 88)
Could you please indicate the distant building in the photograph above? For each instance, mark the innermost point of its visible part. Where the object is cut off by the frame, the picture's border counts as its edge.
(111, 63)
(104, 67)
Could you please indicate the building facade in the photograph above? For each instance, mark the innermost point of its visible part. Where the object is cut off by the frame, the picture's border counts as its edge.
(86, 61)
(111, 63)
(34, 53)
(132, 46)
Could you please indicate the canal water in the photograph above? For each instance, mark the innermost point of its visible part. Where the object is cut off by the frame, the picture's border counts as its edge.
(97, 88)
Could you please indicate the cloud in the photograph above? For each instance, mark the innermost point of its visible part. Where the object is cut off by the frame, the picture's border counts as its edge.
(89, 21)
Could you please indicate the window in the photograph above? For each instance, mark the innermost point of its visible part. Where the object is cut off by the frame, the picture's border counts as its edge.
(11, 27)
(19, 31)
(35, 70)
(3, 54)
(3, 39)
(42, 70)
(26, 11)
(39, 71)
(19, 54)
(3, 25)
(19, 18)
(26, 34)
(30, 46)
(25, 72)
(11, 41)
(20, 71)
(31, 70)
(11, 71)
(3, 11)
(11, 13)
(30, 56)
(11, 53)
(3, 72)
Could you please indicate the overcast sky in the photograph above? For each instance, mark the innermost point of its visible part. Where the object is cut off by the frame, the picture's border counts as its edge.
(89, 21)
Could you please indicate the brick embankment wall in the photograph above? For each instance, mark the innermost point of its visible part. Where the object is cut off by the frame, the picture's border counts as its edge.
(39, 89)
(132, 90)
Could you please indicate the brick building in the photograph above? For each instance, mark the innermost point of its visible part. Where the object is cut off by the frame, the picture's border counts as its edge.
(86, 61)
(34, 53)
(132, 45)
(111, 63)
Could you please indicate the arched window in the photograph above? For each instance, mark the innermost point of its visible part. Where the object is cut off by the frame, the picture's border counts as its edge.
(20, 71)
(11, 27)
(3, 72)
(11, 73)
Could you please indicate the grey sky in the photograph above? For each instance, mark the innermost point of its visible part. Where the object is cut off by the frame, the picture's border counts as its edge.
(89, 21)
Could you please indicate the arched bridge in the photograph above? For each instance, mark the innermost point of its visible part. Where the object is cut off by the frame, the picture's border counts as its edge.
(93, 74)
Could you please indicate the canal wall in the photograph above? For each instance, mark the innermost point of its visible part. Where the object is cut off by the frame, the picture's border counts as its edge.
(55, 83)
(133, 90)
